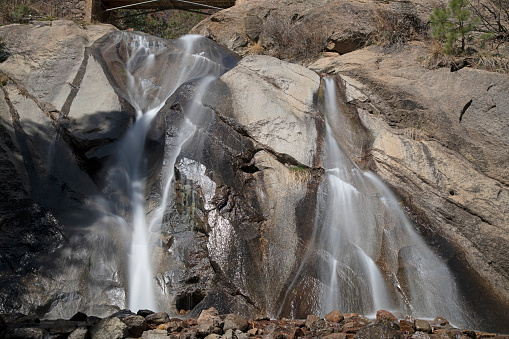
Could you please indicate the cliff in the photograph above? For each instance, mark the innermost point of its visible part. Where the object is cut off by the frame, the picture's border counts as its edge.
(238, 228)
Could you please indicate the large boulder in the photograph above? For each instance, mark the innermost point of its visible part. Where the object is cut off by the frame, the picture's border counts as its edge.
(110, 328)
(136, 324)
(341, 25)
(258, 217)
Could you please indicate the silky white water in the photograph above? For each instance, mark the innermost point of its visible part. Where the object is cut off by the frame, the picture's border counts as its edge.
(148, 87)
(368, 255)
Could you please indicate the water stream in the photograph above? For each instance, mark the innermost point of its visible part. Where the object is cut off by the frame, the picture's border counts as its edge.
(366, 254)
(148, 88)
(369, 256)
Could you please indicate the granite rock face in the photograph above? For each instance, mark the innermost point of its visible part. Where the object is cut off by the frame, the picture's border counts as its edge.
(440, 139)
(346, 25)
(230, 236)
(238, 219)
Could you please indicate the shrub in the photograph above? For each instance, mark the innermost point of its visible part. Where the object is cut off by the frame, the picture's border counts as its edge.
(169, 24)
(492, 63)
(451, 24)
(291, 40)
(20, 14)
(394, 29)
(494, 20)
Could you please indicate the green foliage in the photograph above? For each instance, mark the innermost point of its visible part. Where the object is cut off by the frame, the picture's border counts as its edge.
(19, 14)
(299, 169)
(171, 24)
(452, 24)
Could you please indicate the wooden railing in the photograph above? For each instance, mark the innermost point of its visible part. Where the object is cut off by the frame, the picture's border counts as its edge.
(166, 4)
(101, 8)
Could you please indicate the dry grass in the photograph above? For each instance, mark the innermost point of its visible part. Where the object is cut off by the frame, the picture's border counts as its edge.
(436, 57)
(23, 11)
(481, 60)
(255, 48)
(292, 40)
(395, 30)
(299, 176)
(497, 64)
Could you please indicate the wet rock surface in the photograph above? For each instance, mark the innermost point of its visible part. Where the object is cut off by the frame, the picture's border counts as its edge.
(229, 190)
(419, 120)
(210, 324)
(237, 224)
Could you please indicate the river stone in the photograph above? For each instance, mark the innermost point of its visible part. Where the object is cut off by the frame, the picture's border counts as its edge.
(136, 324)
(61, 327)
(26, 333)
(210, 317)
(382, 314)
(406, 326)
(336, 336)
(110, 328)
(422, 326)
(154, 334)
(234, 334)
(420, 335)
(79, 333)
(235, 322)
(314, 321)
(204, 329)
(377, 331)
(351, 317)
(121, 314)
(318, 326)
(441, 321)
(334, 317)
(387, 318)
(144, 313)
(158, 318)
(176, 326)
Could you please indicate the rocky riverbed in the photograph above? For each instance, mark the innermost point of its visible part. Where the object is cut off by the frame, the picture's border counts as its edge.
(212, 325)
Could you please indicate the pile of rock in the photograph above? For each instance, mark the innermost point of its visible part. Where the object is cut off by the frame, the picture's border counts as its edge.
(211, 325)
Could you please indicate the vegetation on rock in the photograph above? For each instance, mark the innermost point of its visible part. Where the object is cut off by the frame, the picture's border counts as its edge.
(294, 41)
(170, 24)
(395, 30)
(451, 24)
(24, 11)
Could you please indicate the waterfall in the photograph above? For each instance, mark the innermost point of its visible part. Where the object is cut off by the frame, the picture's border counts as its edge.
(369, 257)
(148, 87)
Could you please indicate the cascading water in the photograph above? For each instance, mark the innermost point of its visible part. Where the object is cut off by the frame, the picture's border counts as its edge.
(368, 257)
(147, 89)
